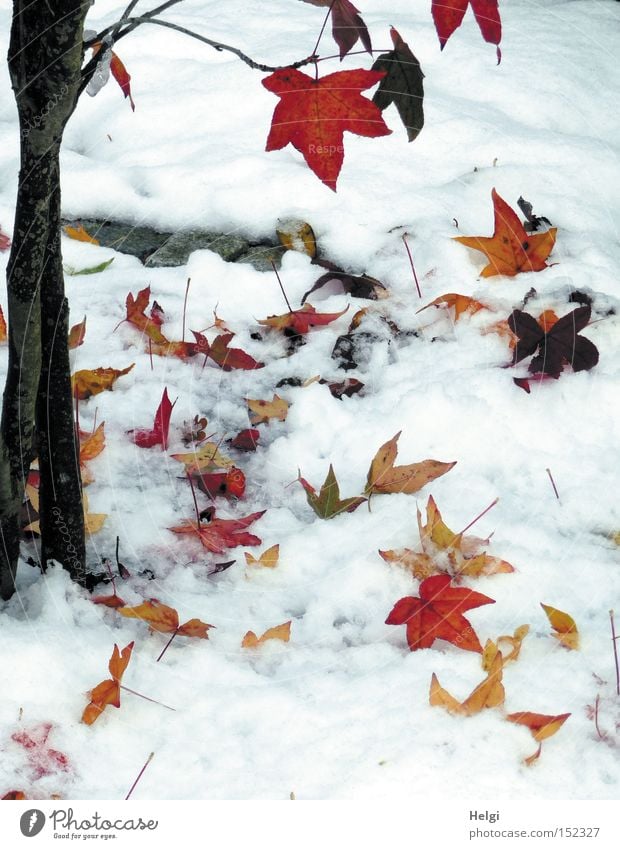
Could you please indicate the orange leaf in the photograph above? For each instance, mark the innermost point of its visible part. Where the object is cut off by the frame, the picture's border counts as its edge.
(540, 725)
(488, 694)
(164, 619)
(112, 601)
(135, 315)
(88, 382)
(108, 692)
(3, 333)
(463, 305)
(15, 795)
(300, 321)
(77, 334)
(219, 534)
(279, 632)
(93, 444)
(511, 249)
(122, 77)
(512, 644)
(79, 234)
(385, 477)
(564, 626)
(269, 558)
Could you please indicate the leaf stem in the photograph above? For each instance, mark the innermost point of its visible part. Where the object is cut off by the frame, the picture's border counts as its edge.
(273, 265)
(479, 516)
(189, 280)
(165, 648)
(191, 483)
(415, 276)
(142, 696)
(614, 640)
(140, 774)
(555, 489)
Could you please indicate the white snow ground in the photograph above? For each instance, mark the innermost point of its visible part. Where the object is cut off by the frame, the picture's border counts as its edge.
(342, 710)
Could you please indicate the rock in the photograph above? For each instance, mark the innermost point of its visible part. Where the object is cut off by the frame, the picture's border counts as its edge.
(177, 249)
(261, 256)
(124, 237)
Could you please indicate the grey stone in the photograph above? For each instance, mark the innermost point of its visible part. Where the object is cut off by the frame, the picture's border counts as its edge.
(261, 256)
(138, 241)
(177, 249)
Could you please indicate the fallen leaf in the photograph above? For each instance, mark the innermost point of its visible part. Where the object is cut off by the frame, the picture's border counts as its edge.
(92, 269)
(541, 726)
(402, 85)
(269, 558)
(279, 632)
(88, 382)
(3, 333)
(79, 234)
(462, 304)
(77, 334)
(208, 458)
(158, 435)
(512, 646)
(358, 286)
(511, 249)
(42, 759)
(245, 440)
(488, 694)
(263, 411)
(295, 235)
(114, 601)
(385, 477)
(136, 315)
(91, 445)
(300, 321)
(5, 242)
(448, 16)
(553, 348)
(438, 614)
(159, 617)
(444, 551)
(230, 484)
(108, 692)
(219, 534)
(313, 115)
(225, 357)
(14, 795)
(564, 626)
(327, 503)
(93, 522)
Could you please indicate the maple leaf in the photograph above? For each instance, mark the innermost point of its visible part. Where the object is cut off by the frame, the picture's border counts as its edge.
(385, 477)
(77, 334)
(219, 534)
(3, 333)
(230, 484)
(226, 358)
(5, 242)
(347, 25)
(488, 694)
(448, 16)
(112, 601)
(136, 315)
(245, 440)
(513, 647)
(14, 795)
(300, 321)
(511, 249)
(279, 632)
(93, 522)
(402, 85)
(111, 63)
(108, 692)
(438, 614)
(88, 382)
(314, 114)
(159, 617)
(358, 286)
(158, 435)
(296, 235)
(262, 411)
(444, 551)
(541, 725)
(79, 234)
(207, 458)
(269, 558)
(556, 346)
(90, 447)
(42, 759)
(463, 305)
(327, 503)
(564, 626)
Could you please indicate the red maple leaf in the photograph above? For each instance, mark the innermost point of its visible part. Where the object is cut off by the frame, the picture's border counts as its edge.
(220, 534)
(448, 16)
(159, 433)
(226, 358)
(42, 759)
(300, 321)
(438, 614)
(313, 115)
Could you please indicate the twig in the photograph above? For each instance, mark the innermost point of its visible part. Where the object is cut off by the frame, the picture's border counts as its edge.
(415, 276)
(273, 265)
(614, 640)
(155, 702)
(598, 730)
(140, 774)
(555, 489)
(479, 516)
(191, 483)
(189, 280)
(151, 353)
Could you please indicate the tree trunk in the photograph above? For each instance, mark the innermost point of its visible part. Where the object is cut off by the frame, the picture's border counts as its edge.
(45, 60)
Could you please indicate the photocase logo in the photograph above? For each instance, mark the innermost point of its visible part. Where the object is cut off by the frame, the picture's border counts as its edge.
(32, 822)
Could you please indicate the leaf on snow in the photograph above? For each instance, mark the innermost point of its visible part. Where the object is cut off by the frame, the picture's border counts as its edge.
(564, 626)
(385, 477)
(327, 503)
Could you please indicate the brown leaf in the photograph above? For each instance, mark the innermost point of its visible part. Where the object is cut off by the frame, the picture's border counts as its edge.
(488, 694)
(564, 626)
(269, 558)
(385, 477)
(88, 382)
(279, 632)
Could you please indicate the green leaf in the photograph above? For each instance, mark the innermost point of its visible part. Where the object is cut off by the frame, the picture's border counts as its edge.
(95, 269)
(327, 503)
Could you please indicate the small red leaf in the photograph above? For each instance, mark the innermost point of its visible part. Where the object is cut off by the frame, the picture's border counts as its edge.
(159, 434)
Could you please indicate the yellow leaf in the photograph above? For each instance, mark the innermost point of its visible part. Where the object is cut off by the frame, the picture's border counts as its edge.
(279, 632)
(512, 646)
(79, 234)
(207, 458)
(88, 382)
(268, 558)
(385, 477)
(297, 235)
(564, 626)
(93, 522)
(262, 411)
(488, 694)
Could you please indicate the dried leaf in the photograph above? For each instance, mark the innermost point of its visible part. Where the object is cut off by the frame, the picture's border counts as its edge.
(220, 534)
(263, 411)
(79, 234)
(108, 692)
(88, 382)
(564, 626)
(384, 477)
(488, 694)
(327, 503)
(279, 632)
(269, 558)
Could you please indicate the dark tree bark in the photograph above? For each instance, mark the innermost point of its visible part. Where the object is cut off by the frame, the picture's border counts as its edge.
(45, 61)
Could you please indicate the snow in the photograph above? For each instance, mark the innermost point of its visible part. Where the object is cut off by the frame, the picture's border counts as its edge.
(341, 711)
